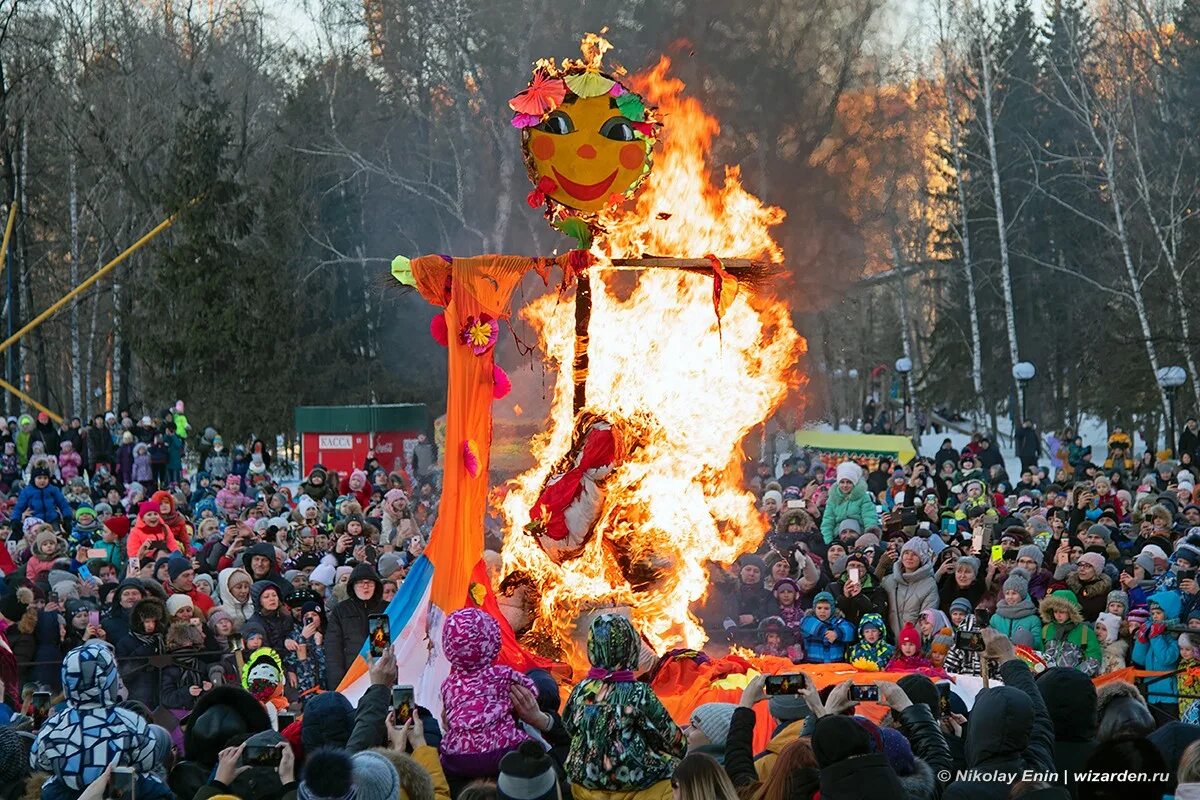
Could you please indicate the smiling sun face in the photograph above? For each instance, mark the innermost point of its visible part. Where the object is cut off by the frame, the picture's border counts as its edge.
(590, 150)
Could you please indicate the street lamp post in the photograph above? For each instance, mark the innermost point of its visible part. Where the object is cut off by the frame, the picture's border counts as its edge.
(1170, 379)
(1023, 372)
(903, 367)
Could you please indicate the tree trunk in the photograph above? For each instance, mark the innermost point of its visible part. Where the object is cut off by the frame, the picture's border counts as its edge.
(1010, 320)
(964, 237)
(76, 366)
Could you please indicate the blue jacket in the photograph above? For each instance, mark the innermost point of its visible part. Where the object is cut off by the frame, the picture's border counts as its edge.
(816, 649)
(1160, 653)
(48, 505)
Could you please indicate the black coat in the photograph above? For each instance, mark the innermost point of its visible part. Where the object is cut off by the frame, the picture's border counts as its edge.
(868, 777)
(1009, 731)
(1070, 698)
(348, 625)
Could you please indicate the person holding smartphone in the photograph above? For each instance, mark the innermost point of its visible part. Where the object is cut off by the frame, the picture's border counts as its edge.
(348, 622)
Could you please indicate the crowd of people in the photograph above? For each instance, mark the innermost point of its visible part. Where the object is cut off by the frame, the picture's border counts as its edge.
(178, 627)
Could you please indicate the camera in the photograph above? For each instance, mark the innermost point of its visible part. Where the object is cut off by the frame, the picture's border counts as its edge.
(971, 641)
(864, 694)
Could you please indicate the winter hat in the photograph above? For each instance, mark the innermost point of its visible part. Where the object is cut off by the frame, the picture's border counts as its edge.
(1018, 582)
(910, 635)
(65, 589)
(30, 523)
(787, 583)
(837, 738)
(772, 494)
(323, 574)
(865, 541)
(527, 773)
(713, 720)
(84, 511)
(962, 604)
(1112, 626)
(751, 560)
(1100, 530)
(921, 548)
(968, 561)
(1118, 596)
(898, 751)
(328, 775)
(177, 565)
(824, 597)
(849, 524)
(374, 776)
(216, 615)
(177, 601)
(788, 708)
(1093, 560)
(12, 606)
(146, 506)
(848, 470)
(1031, 551)
(920, 689)
(943, 640)
(1155, 552)
(388, 563)
(44, 537)
(1189, 552)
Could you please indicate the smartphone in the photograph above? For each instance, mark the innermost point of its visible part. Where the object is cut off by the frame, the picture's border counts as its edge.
(122, 783)
(94, 618)
(285, 719)
(795, 504)
(379, 634)
(84, 572)
(52, 597)
(969, 640)
(402, 704)
(262, 755)
(868, 693)
(1186, 574)
(784, 684)
(41, 702)
(235, 642)
(855, 574)
(97, 552)
(943, 689)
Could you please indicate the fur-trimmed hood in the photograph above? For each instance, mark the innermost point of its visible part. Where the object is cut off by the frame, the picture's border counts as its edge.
(1062, 600)
(920, 783)
(1111, 691)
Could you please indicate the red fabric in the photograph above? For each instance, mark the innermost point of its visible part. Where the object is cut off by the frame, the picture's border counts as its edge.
(7, 565)
(199, 599)
(598, 450)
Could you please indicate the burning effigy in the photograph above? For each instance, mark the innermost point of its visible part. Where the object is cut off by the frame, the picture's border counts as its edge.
(639, 486)
(668, 353)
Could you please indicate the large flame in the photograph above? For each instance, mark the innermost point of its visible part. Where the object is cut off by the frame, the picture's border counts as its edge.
(659, 365)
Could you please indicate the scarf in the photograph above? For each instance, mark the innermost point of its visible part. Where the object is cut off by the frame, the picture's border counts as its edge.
(1024, 608)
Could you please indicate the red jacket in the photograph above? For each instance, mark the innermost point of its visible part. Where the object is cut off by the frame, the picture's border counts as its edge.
(142, 532)
(199, 599)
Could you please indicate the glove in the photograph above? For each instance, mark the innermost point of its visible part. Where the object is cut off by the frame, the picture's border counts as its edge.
(1158, 629)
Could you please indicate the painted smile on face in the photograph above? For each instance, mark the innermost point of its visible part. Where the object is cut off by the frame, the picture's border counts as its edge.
(590, 150)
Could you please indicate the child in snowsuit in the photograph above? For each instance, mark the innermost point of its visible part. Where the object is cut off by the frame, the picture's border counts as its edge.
(622, 738)
(480, 725)
(908, 658)
(1157, 649)
(776, 639)
(230, 499)
(1068, 641)
(871, 651)
(826, 632)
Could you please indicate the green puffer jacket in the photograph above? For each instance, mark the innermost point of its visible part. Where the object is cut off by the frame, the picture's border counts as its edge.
(840, 507)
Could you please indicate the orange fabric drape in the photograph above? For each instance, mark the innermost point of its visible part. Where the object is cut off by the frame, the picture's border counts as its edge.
(465, 287)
